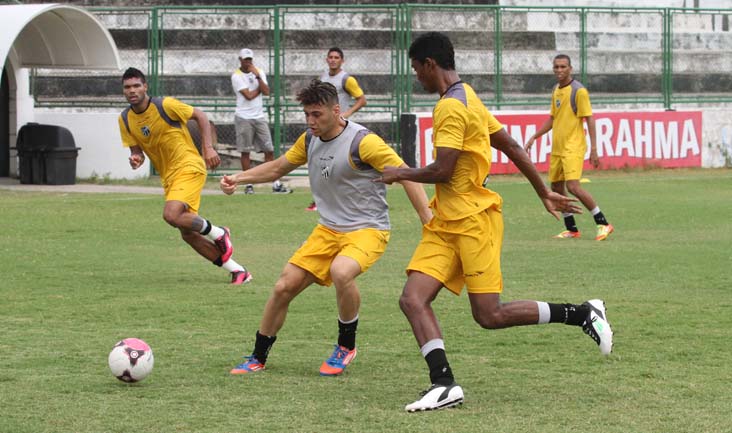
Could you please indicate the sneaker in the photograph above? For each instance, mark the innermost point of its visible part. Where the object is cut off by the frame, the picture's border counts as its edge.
(338, 361)
(249, 189)
(603, 231)
(280, 188)
(223, 243)
(567, 235)
(597, 326)
(437, 397)
(251, 365)
(312, 207)
(241, 277)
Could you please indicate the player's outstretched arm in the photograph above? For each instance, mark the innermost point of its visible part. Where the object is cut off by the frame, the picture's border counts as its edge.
(267, 172)
(440, 171)
(553, 202)
(418, 197)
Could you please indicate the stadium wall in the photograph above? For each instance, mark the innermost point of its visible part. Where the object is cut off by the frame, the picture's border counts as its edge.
(102, 153)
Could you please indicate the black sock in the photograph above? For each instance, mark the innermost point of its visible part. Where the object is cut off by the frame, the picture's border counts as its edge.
(440, 372)
(600, 219)
(347, 334)
(570, 224)
(570, 314)
(206, 227)
(262, 346)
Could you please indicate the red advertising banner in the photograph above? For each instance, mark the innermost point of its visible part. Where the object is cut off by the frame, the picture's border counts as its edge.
(624, 139)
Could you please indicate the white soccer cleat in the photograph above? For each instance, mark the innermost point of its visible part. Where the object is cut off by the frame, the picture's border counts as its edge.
(437, 397)
(597, 326)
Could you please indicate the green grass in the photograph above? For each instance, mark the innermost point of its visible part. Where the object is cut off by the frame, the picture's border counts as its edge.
(81, 271)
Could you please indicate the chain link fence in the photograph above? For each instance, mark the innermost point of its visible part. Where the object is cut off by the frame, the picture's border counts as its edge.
(366, 35)
(700, 57)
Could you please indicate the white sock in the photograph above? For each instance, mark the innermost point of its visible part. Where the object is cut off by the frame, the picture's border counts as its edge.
(565, 214)
(350, 321)
(431, 345)
(544, 313)
(595, 211)
(277, 184)
(215, 233)
(232, 266)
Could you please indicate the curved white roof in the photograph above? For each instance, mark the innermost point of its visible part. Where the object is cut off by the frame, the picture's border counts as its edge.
(55, 36)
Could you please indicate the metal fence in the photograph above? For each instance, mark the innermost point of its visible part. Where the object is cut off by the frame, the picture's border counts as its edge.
(651, 56)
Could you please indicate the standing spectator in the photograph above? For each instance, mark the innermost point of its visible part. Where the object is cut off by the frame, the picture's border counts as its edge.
(347, 87)
(252, 129)
(570, 108)
(156, 127)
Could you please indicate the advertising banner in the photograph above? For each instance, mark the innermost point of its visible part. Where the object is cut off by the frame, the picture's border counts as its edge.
(624, 139)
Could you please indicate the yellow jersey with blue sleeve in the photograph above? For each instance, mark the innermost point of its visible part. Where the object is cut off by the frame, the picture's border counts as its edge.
(462, 122)
(569, 105)
(162, 134)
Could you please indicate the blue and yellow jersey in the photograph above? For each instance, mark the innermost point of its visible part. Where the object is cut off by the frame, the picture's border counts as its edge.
(462, 122)
(568, 134)
(163, 137)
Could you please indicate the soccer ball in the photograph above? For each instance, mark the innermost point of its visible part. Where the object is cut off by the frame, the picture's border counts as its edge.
(131, 360)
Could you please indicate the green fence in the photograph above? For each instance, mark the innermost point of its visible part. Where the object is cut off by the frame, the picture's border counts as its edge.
(657, 57)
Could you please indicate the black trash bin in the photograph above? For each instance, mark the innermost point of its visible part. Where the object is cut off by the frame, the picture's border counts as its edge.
(50, 153)
(30, 155)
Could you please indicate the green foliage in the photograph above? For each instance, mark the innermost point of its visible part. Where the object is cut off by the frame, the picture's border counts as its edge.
(81, 271)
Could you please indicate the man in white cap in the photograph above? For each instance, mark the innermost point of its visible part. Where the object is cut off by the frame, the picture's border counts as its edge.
(252, 130)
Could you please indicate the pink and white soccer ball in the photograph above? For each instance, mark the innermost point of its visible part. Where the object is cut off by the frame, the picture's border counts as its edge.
(131, 360)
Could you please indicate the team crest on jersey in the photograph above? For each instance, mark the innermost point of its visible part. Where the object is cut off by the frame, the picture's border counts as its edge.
(325, 165)
(145, 131)
(557, 103)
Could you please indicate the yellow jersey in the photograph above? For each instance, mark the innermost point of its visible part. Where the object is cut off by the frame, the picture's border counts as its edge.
(568, 133)
(162, 134)
(462, 122)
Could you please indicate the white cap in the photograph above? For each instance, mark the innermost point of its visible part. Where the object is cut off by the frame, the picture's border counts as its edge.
(246, 53)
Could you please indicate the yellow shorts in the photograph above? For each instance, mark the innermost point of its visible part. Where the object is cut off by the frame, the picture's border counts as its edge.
(186, 187)
(365, 246)
(567, 167)
(463, 252)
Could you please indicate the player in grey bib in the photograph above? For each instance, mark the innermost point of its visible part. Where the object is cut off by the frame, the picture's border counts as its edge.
(339, 81)
(344, 160)
(346, 196)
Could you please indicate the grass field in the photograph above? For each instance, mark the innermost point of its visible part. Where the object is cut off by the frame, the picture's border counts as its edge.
(81, 271)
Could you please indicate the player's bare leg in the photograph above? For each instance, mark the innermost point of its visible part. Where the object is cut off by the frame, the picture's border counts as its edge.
(416, 303)
(343, 272)
(293, 280)
(585, 197)
(490, 313)
(570, 224)
(603, 227)
(210, 241)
